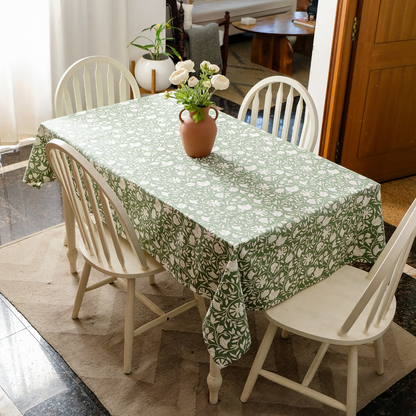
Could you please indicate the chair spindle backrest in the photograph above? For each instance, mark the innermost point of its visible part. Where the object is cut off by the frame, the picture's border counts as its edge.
(385, 275)
(94, 204)
(293, 130)
(70, 97)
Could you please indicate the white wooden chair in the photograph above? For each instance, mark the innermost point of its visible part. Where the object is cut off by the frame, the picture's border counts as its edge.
(301, 134)
(350, 308)
(94, 205)
(97, 90)
(94, 91)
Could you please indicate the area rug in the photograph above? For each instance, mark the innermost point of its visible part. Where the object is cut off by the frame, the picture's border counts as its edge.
(243, 74)
(170, 362)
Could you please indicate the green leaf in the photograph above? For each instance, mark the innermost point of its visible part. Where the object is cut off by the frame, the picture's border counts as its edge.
(138, 37)
(199, 115)
(159, 31)
(146, 48)
(175, 52)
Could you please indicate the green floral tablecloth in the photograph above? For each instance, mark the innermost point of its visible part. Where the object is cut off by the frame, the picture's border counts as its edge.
(247, 227)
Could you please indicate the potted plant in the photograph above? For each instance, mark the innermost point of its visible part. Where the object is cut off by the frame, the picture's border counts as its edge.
(155, 58)
(198, 129)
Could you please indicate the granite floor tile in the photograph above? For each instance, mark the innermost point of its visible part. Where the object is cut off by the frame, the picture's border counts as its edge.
(63, 366)
(71, 402)
(9, 323)
(15, 312)
(7, 407)
(399, 400)
(406, 304)
(14, 166)
(14, 156)
(25, 210)
(28, 375)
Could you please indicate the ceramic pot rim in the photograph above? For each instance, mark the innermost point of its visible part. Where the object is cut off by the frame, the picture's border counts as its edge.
(147, 56)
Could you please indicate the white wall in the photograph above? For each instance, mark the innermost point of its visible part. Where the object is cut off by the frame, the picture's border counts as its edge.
(321, 56)
(142, 14)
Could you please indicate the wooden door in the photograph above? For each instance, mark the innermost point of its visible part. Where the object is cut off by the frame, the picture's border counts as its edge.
(378, 132)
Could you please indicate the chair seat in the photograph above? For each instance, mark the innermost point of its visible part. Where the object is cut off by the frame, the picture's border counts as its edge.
(319, 311)
(132, 264)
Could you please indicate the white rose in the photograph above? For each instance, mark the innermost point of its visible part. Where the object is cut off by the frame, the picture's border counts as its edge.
(192, 81)
(214, 68)
(207, 84)
(179, 76)
(205, 64)
(188, 65)
(220, 82)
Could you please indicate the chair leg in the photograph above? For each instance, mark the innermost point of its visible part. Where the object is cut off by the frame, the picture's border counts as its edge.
(258, 361)
(379, 353)
(352, 380)
(152, 279)
(284, 334)
(201, 306)
(315, 364)
(129, 325)
(81, 289)
(69, 240)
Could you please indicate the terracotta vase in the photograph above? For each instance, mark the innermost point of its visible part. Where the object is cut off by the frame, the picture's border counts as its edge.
(198, 138)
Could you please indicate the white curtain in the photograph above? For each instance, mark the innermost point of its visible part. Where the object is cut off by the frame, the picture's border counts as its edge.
(39, 40)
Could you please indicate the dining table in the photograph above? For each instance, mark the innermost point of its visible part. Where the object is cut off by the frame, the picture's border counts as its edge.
(247, 227)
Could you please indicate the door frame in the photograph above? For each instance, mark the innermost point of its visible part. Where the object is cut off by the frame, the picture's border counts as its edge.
(339, 67)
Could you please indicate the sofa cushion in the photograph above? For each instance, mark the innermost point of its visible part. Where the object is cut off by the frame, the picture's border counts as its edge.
(205, 11)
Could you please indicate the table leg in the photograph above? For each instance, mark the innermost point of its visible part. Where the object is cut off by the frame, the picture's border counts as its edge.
(281, 57)
(304, 45)
(70, 242)
(214, 381)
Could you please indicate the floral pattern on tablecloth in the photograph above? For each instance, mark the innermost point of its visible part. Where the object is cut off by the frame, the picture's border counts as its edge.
(247, 227)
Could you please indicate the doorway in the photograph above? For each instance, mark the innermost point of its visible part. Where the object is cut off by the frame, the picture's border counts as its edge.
(368, 124)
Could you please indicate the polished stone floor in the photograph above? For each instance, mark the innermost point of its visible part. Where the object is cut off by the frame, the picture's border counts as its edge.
(35, 380)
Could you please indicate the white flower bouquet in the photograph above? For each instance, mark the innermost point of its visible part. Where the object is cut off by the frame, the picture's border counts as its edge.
(195, 94)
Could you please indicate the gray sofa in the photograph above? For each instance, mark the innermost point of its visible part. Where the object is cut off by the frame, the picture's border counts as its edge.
(207, 11)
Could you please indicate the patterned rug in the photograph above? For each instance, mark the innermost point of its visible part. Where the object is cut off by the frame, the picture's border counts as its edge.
(170, 362)
(243, 74)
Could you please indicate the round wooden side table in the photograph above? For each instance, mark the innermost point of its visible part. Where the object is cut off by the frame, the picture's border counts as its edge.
(270, 46)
